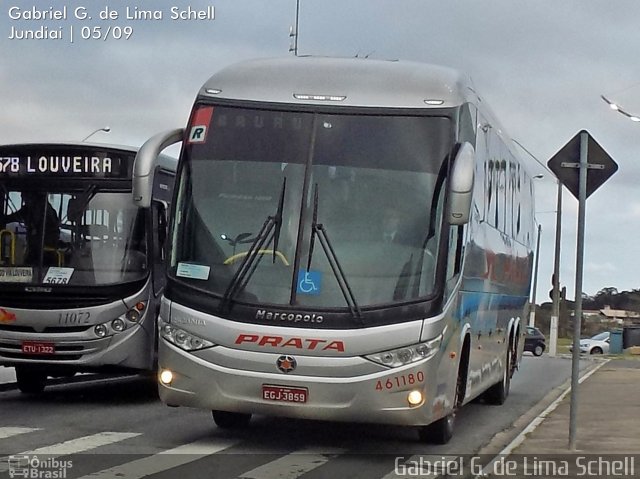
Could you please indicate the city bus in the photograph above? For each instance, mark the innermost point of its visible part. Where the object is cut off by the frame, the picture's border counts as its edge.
(80, 264)
(351, 240)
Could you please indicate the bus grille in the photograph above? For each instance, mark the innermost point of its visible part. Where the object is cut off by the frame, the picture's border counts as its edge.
(40, 357)
(30, 301)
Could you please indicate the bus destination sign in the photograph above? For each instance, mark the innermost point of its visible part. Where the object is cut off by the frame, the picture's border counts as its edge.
(92, 165)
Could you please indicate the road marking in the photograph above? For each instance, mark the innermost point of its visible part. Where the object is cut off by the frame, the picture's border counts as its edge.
(73, 446)
(82, 444)
(6, 432)
(293, 465)
(163, 461)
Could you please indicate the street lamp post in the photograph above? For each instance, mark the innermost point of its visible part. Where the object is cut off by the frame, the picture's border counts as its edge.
(106, 129)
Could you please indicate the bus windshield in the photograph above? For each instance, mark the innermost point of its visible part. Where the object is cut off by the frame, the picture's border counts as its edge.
(311, 204)
(76, 237)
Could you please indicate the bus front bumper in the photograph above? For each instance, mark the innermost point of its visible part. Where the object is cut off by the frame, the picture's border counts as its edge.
(77, 352)
(381, 397)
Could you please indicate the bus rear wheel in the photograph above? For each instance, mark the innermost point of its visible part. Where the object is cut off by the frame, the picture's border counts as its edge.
(30, 381)
(230, 420)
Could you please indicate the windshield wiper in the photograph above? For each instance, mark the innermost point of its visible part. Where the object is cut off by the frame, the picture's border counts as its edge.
(317, 229)
(270, 231)
(277, 221)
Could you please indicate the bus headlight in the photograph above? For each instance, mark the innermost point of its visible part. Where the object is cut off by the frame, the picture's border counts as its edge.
(166, 377)
(118, 325)
(415, 398)
(407, 355)
(135, 313)
(183, 339)
(100, 330)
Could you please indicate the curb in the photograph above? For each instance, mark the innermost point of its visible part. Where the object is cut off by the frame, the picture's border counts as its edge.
(520, 438)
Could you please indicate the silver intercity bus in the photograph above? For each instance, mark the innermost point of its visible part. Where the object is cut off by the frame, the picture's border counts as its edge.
(351, 240)
(80, 264)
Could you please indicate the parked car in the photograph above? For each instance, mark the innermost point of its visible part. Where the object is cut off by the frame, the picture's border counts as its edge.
(598, 344)
(534, 341)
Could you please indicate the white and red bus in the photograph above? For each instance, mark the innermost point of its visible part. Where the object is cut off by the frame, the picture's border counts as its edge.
(81, 266)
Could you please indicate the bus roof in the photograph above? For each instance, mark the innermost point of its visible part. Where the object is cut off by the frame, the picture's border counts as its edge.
(341, 82)
(81, 144)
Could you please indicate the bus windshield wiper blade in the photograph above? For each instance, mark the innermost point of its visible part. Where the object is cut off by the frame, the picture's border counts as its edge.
(318, 230)
(278, 219)
(270, 231)
(314, 223)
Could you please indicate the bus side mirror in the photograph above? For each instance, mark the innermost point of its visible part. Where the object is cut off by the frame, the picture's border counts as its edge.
(461, 185)
(144, 165)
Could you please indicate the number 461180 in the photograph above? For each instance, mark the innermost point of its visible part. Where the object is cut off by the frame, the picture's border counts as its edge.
(398, 382)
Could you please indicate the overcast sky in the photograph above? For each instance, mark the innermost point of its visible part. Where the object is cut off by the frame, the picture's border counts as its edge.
(541, 64)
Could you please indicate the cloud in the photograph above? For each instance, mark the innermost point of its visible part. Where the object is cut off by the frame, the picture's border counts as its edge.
(601, 268)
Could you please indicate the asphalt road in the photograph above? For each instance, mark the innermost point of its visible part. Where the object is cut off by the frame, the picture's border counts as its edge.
(122, 430)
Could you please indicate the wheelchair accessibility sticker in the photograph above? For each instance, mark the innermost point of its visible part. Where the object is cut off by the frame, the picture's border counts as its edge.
(309, 282)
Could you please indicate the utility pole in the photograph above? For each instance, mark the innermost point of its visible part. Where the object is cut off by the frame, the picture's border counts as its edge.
(532, 313)
(555, 312)
(293, 31)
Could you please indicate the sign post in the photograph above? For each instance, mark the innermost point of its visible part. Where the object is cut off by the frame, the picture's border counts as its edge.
(582, 178)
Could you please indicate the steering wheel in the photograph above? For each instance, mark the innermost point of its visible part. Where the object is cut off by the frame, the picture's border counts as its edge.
(232, 259)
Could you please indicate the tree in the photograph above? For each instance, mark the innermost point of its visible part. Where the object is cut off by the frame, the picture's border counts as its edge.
(607, 297)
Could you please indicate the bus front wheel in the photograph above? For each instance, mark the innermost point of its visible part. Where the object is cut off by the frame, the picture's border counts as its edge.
(30, 381)
(439, 432)
(497, 394)
(230, 420)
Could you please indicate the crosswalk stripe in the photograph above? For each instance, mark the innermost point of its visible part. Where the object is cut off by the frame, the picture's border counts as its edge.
(163, 461)
(82, 444)
(73, 446)
(293, 465)
(6, 432)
